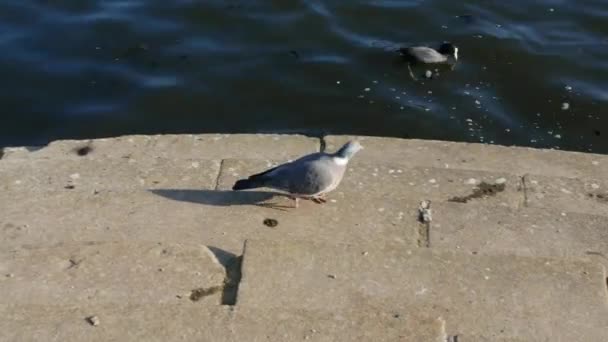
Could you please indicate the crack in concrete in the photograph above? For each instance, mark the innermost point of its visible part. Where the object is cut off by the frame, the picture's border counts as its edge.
(424, 231)
(219, 174)
(424, 218)
(322, 144)
(524, 188)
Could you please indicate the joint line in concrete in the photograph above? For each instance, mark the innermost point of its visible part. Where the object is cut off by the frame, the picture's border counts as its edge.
(219, 173)
(524, 189)
(322, 144)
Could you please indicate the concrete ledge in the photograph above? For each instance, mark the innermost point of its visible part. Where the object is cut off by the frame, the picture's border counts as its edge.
(526, 232)
(103, 273)
(483, 157)
(517, 242)
(117, 322)
(535, 299)
(186, 146)
(157, 322)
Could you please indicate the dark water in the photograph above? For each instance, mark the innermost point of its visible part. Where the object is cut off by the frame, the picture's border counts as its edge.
(96, 68)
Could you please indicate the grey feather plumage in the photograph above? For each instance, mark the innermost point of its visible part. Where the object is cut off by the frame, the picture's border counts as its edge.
(309, 176)
(424, 54)
(306, 176)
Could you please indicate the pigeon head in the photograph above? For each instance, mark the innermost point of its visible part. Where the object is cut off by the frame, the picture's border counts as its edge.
(349, 149)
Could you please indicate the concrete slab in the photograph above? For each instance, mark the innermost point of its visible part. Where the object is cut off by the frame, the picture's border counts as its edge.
(361, 324)
(494, 338)
(395, 182)
(567, 194)
(526, 232)
(100, 273)
(171, 146)
(484, 157)
(119, 174)
(116, 322)
(154, 322)
(535, 299)
(222, 219)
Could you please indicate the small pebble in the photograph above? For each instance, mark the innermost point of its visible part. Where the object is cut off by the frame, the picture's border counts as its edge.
(367, 89)
(565, 106)
(432, 181)
(10, 275)
(93, 320)
(568, 88)
(428, 74)
(332, 276)
(501, 181)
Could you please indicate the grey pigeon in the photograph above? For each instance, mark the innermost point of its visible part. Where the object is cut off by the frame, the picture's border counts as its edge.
(309, 177)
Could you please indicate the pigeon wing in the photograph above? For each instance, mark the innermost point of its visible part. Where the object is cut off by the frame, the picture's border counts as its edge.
(312, 177)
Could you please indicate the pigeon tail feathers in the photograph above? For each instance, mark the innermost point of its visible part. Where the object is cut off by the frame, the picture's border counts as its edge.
(244, 184)
(255, 181)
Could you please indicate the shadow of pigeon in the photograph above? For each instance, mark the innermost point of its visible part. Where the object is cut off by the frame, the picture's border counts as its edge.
(221, 198)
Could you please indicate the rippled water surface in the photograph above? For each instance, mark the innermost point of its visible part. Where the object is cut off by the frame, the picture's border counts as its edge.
(531, 73)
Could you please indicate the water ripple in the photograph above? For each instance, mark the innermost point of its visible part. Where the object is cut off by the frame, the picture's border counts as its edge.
(109, 67)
